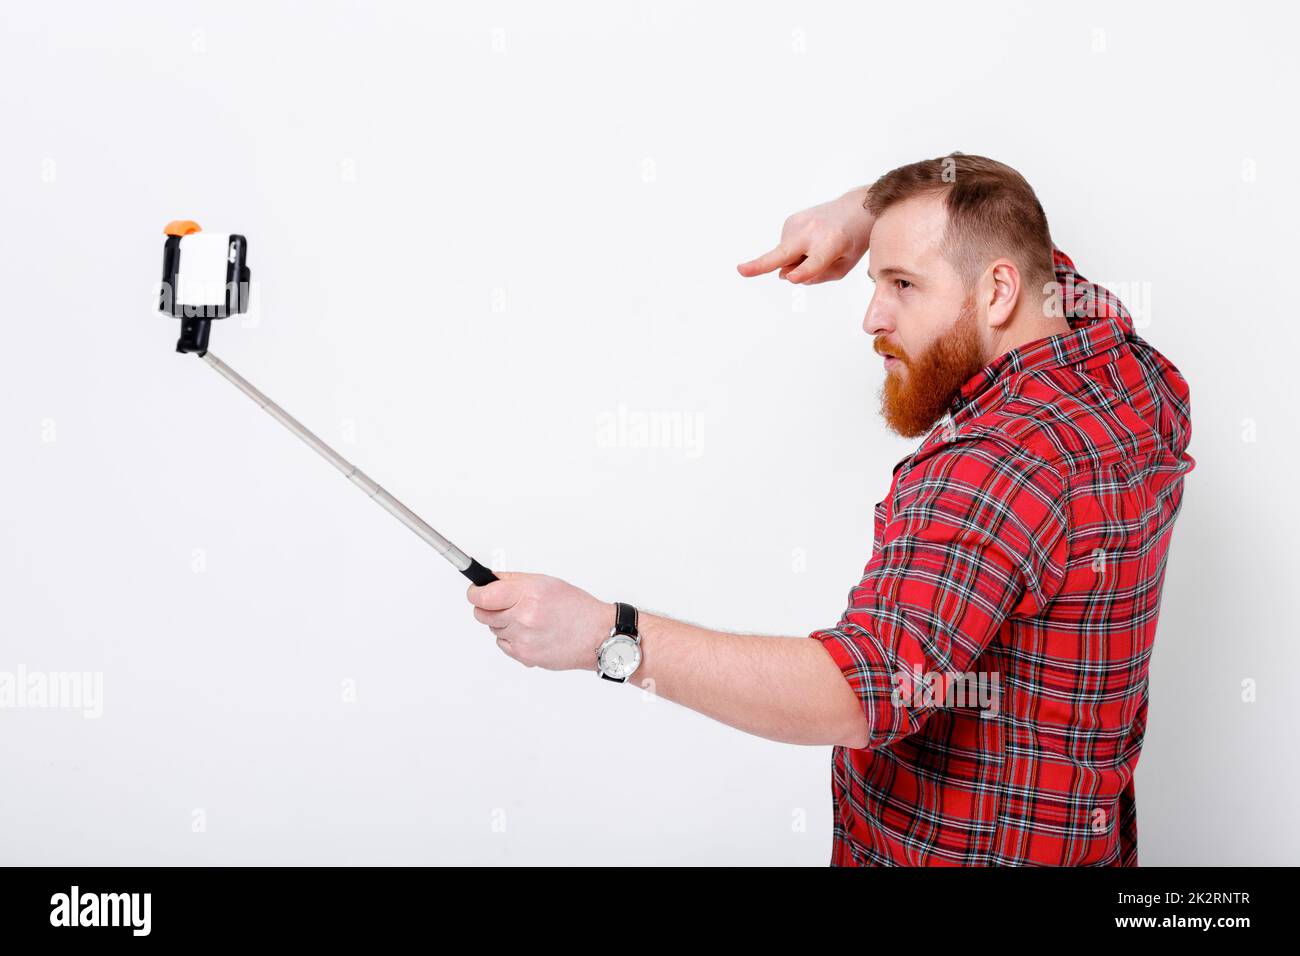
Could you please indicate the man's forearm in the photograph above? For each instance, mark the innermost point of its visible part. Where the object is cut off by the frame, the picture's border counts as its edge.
(783, 688)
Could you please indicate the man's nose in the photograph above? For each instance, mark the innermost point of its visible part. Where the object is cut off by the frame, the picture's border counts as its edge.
(876, 322)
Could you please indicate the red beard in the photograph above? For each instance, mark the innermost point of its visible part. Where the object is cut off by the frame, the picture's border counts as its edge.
(915, 396)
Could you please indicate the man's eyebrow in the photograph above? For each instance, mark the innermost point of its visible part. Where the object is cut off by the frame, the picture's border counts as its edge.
(893, 271)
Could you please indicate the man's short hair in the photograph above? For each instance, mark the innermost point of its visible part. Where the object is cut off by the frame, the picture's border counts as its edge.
(992, 212)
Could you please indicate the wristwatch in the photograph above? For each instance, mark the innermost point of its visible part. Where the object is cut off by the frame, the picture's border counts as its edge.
(619, 655)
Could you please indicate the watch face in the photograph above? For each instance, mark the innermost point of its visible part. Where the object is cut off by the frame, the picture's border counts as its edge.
(620, 657)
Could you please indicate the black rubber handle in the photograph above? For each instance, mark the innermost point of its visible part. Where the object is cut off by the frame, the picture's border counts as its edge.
(479, 574)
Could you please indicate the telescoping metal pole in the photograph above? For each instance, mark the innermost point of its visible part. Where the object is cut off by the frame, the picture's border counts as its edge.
(458, 558)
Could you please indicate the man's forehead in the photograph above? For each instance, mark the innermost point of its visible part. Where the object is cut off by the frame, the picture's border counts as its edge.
(908, 236)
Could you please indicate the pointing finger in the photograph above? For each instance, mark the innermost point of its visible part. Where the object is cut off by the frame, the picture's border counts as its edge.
(784, 254)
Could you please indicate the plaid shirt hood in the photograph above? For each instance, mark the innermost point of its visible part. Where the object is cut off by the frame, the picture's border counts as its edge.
(1102, 334)
(1023, 542)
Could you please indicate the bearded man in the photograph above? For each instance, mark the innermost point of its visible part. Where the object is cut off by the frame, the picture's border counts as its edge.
(985, 689)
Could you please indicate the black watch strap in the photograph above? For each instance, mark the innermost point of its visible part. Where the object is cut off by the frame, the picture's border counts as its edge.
(625, 620)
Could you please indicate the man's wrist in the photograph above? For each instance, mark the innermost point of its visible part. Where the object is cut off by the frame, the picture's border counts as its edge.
(858, 197)
(859, 217)
(605, 616)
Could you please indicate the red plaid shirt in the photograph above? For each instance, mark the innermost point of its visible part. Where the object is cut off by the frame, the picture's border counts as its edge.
(1023, 544)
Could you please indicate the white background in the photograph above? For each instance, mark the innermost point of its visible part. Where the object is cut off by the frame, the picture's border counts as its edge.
(478, 235)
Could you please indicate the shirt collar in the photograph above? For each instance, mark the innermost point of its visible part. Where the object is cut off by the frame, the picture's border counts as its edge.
(1086, 338)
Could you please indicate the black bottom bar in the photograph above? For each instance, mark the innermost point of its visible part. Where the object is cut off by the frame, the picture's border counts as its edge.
(969, 909)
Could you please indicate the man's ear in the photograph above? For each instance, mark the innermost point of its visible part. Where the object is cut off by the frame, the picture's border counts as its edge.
(1003, 290)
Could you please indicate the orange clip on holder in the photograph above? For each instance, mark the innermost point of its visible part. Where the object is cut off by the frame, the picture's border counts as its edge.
(181, 227)
(196, 317)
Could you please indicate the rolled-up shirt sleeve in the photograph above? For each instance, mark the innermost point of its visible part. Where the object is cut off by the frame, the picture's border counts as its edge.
(976, 534)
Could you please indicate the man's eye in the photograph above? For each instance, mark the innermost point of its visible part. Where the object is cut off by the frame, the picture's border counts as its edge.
(902, 284)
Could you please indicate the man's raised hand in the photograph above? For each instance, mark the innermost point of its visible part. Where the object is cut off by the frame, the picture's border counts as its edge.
(819, 244)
